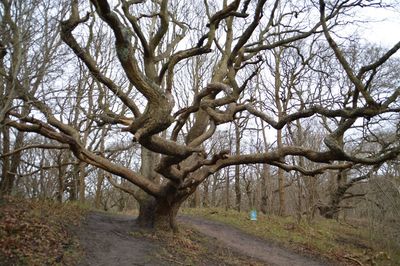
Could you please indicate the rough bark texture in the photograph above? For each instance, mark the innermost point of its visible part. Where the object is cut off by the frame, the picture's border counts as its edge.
(159, 214)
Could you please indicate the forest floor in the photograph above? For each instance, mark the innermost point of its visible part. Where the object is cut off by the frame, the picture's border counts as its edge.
(48, 233)
(36, 232)
(114, 240)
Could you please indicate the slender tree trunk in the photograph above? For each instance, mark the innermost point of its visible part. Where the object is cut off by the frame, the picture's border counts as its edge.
(5, 182)
(60, 179)
(214, 190)
(99, 186)
(206, 199)
(82, 186)
(195, 199)
(264, 193)
(249, 193)
(227, 188)
(265, 175)
(281, 182)
(238, 193)
(299, 200)
(280, 108)
(101, 174)
(72, 186)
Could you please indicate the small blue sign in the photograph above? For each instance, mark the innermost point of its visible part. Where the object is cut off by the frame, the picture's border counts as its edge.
(253, 215)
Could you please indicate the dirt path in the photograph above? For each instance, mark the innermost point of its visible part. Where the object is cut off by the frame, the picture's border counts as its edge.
(249, 245)
(106, 240)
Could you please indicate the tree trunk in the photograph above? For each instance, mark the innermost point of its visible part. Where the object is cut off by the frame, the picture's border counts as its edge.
(195, 203)
(227, 187)
(264, 194)
(281, 182)
(5, 182)
(82, 186)
(214, 190)
(61, 179)
(99, 186)
(158, 214)
(331, 211)
(265, 175)
(206, 199)
(238, 193)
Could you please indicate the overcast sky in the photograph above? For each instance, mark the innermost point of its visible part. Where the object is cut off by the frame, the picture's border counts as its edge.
(385, 30)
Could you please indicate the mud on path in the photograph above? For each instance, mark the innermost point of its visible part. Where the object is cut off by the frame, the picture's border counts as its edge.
(107, 239)
(249, 245)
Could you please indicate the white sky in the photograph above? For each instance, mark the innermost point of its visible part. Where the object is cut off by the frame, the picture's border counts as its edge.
(385, 26)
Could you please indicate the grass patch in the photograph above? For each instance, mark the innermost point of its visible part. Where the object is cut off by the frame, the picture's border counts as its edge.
(341, 242)
(35, 232)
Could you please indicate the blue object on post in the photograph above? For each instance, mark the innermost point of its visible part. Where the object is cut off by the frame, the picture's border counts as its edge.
(253, 215)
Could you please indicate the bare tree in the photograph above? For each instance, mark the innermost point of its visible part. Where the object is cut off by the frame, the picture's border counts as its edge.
(27, 51)
(151, 48)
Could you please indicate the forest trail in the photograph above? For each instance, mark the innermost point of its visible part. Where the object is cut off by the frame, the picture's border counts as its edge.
(105, 240)
(249, 245)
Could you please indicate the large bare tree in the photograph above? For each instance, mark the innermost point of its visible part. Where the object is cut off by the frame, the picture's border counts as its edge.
(172, 121)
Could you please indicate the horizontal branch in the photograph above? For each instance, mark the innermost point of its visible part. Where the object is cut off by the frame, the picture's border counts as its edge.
(35, 146)
(368, 111)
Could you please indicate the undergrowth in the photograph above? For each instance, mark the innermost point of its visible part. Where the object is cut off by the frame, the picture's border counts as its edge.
(342, 242)
(34, 232)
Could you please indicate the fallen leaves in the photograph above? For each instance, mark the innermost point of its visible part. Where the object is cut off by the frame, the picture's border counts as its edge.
(34, 232)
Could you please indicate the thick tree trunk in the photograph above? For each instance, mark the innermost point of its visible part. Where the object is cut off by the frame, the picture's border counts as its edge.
(331, 211)
(158, 214)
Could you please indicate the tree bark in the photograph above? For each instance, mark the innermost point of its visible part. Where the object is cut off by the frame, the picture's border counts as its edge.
(158, 214)
(10, 163)
(5, 182)
(99, 186)
(82, 186)
(238, 193)
(206, 199)
(227, 188)
(264, 194)
(281, 110)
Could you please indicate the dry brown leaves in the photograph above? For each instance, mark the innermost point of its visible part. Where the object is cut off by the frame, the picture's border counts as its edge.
(34, 232)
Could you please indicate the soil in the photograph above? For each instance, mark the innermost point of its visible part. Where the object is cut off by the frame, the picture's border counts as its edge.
(108, 239)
